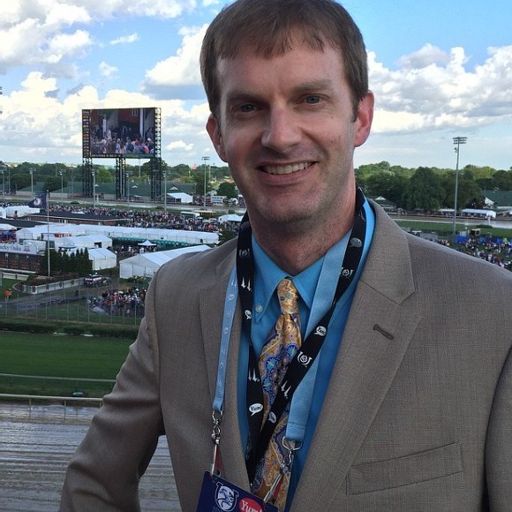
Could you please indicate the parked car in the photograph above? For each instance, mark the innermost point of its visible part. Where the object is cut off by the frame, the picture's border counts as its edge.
(93, 280)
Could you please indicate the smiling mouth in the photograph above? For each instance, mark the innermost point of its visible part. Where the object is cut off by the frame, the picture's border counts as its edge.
(285, 169)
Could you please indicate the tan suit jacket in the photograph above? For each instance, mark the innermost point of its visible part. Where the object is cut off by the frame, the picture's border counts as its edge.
(418, 413)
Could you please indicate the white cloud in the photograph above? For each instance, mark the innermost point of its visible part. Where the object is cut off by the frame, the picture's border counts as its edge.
(66, 14)
(31, 29)
(107, 70)
(67, 44)
(181, 69)
(153, 8)
(179, 145)
(18, 43)
(432, 89)
(425, 56)
(28, 42)
(126, 39)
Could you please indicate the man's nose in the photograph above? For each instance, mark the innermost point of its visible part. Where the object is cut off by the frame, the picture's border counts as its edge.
(281, 130)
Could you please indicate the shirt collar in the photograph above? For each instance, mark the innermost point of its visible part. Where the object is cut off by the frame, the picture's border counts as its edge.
(268, 274)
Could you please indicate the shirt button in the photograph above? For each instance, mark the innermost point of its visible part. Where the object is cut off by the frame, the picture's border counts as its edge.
(258, 308)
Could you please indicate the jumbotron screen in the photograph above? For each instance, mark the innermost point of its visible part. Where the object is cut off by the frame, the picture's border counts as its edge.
(119, 132)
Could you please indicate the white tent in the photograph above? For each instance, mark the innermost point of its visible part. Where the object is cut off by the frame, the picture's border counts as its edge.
(19, 210)
(117, 232)
(146, 243)
(102, 258)
(83, 242)
(180, 197)
(147, 263)
(231, 217)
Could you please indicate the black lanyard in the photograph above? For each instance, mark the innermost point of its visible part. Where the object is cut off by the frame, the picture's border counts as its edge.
(259, 435)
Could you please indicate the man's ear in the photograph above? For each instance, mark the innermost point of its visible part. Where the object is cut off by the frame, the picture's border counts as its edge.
(213, 129)
(364, 119)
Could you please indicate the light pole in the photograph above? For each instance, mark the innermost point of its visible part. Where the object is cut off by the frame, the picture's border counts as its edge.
(32, 181)
(93, 189)
(127, 179)
(205, 159)
(3, 183)
(457, 141)
(165, 190)
(61, 182)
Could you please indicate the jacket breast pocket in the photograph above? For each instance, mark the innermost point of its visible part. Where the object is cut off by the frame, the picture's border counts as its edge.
(410, 469)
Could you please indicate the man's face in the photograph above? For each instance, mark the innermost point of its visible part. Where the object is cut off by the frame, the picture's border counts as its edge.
(286, 127)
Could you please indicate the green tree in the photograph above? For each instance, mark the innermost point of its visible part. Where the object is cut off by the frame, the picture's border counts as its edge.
(52, 183)
(198, 177)
(424, 190)
(227, 189)
(502, 180)
(388, 185)
(469, 194)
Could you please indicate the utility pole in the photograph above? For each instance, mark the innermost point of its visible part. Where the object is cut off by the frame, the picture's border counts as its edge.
(93, 189)
(457, 141)
(205, 159)
(165, 190)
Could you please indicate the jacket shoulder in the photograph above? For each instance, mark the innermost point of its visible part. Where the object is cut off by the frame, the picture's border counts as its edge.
(197, 266)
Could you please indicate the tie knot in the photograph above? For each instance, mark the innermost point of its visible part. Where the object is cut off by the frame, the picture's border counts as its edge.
(288, 297)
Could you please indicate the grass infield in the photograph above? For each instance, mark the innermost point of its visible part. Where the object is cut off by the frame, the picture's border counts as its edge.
(72, 357)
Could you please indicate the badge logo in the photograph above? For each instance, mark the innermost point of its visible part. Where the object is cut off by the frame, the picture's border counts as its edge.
(248, 314)
(255, 409)
(304, 360)
(225, 497)
(249, 505)
(272, 417)
(346, 272)
(321, 331)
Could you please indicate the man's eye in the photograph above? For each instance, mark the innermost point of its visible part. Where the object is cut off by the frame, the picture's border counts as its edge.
(247, 107)
(312, 99)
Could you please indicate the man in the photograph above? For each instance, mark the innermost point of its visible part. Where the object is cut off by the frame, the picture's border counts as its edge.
(407, 404)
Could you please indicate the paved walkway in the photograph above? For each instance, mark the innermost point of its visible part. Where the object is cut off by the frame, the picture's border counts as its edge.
(36, 444)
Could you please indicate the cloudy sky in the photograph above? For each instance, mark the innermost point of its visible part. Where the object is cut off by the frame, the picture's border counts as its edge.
(439, 69)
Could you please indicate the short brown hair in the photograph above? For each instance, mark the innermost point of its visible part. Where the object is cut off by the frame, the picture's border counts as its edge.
(267, 27)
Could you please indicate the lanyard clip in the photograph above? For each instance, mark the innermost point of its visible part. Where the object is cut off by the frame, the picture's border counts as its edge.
(216, 467)
(286, 468)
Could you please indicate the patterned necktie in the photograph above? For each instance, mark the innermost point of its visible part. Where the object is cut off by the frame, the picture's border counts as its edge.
(278, 351)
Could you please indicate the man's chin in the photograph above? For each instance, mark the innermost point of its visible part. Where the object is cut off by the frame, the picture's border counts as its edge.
(287, 220)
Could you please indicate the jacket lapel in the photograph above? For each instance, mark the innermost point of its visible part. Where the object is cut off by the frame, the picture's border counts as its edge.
(382, 320)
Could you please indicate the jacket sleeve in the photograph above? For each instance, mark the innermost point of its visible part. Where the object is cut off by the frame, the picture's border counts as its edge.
(105, 471)
(498, 460)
